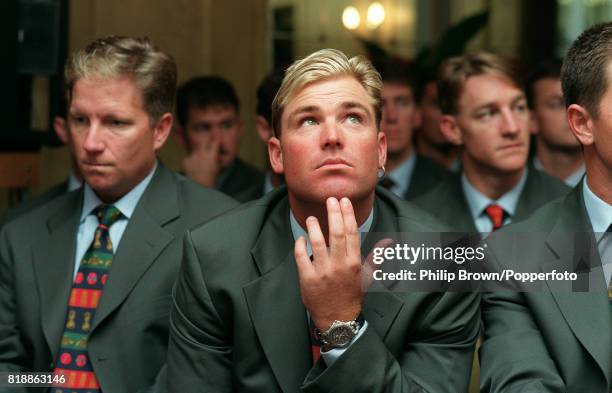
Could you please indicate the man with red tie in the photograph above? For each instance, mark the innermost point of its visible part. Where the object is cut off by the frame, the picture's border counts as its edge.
(485, 113)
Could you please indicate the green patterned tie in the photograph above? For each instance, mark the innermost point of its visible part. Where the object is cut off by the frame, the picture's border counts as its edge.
(73, 358)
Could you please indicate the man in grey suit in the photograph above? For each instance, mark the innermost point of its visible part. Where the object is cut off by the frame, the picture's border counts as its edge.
(485, 113)
(408, 174)
(85, 280)
(560, 340)
(262, 303)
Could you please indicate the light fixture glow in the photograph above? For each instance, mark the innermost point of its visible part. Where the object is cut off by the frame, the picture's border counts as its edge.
(376, 15)
(351, 18)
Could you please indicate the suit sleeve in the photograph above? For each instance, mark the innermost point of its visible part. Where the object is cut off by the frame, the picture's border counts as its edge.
(13, 356)
(436, 357)
(513, 355)
(197, 359)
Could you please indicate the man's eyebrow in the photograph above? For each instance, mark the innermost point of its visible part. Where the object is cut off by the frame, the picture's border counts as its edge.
(489, 104)
(519, 98)
(352, 104)
(304, 109)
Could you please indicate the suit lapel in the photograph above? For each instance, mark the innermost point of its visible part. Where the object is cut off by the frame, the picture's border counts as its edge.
(143, 240)
(528, 200)
(453, 207)
(381, 308)
(53, 261)
(275, 304)
(587, 313)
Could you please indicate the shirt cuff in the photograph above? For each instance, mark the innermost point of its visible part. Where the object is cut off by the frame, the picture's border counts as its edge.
(332, 355)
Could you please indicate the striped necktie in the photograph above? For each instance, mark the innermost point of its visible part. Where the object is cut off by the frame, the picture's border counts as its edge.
(73, 360)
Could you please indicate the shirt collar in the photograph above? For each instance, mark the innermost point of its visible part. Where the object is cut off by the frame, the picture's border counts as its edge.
(126, 205)
(402, 174)
(599, 212)
(572, 180)
(478, 201)
(268, 186)
(73, 182)
(298, 231)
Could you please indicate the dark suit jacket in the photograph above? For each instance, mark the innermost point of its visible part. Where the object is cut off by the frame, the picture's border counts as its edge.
(244, 182)
(556, 340)
(447, 201)
(128, 340)
(426, 175)
(239, 325)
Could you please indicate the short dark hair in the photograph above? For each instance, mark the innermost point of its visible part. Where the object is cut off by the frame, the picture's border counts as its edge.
(547, 69)
(583, 74)
(266, 91)
(204, 92)
(455, 71)
(397, 72)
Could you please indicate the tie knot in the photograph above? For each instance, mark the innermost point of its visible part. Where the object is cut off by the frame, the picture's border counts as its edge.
(496, 215)
(107, 214)
(387, 183)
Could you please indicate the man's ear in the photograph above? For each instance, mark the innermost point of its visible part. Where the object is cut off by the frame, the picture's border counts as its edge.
(162, 130)
(581, 124)
(451, 130)
(382, 149)
(534, 125)
(263, 129)
(275, 153)
(59, 125)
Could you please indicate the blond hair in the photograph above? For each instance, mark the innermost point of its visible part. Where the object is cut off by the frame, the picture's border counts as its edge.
(325, 64)
(153, 71)
(454, 72)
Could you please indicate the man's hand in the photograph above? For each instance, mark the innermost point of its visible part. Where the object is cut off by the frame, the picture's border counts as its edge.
(331, 283)
(202, 164)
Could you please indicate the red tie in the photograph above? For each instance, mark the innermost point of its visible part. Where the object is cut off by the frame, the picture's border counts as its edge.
(496, 215)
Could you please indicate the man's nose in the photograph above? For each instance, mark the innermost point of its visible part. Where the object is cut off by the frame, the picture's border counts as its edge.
(94, 140)
(331, 135)
(510, 122)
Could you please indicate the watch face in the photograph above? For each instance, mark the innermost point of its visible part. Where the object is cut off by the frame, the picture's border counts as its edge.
(340, 336)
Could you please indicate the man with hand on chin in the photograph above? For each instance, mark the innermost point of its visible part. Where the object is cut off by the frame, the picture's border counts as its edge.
(276, 305)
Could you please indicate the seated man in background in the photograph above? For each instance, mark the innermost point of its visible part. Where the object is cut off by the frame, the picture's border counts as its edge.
(485, 113)
(85, 279)
(266, 91)
(252, 280)
(209, 126)
(557, 151)
(428, 139)
(560, 340)
(408, 174)
(74, 180)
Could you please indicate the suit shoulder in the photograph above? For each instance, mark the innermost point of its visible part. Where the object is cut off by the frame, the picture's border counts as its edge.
(440, 193)
(198, 203)
(433, 168)
(548, 184)
(541, 220)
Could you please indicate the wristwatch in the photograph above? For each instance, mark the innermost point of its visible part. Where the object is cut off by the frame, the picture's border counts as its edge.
(340, 333)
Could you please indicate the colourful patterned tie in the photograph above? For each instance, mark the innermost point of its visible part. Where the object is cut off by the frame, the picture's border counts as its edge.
(73, 358)
(496, 215)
